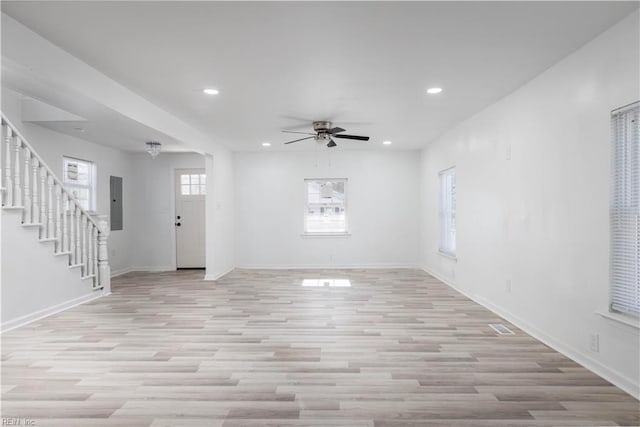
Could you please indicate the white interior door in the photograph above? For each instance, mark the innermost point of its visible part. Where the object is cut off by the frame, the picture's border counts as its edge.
(191, 189)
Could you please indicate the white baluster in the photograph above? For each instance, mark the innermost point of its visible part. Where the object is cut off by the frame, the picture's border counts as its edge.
(83, 227)
(8, 200)
(58, 234)
(17, 167)
(50, 230)
(89, 248)
(96, 235)
(72, 226)
(104, 270)
(26, 218)
(64, 247)
(77, 227)
(43, 203)
(35, 165)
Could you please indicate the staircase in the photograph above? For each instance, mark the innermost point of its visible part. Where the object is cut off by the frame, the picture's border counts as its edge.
(30, 188)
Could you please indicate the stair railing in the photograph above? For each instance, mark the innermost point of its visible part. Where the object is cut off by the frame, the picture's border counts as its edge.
(29, 184)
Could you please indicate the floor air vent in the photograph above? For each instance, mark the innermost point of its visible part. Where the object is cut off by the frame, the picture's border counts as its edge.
(501, 329)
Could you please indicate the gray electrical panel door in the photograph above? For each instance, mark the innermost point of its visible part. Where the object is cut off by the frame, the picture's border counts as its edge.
(116, 202)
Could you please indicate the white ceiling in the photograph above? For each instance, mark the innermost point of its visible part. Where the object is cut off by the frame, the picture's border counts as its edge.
(279, 65)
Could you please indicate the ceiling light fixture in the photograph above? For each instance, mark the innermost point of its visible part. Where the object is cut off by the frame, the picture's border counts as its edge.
(211, 91)
(153, 148)
(387, 142)
(434, 90)
(266, 144)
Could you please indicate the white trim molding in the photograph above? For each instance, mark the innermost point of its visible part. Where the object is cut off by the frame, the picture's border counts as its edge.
(46, 312)
(621, 319)
(326, 266)
(216, 276)
(154, 269)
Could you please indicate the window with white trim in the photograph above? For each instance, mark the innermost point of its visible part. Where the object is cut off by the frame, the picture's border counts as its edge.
(325, 206)
(193, 184)
(79, 178)
(625, 211)
(447, 211)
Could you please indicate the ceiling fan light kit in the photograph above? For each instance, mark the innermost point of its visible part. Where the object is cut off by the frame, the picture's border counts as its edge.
(325, 132)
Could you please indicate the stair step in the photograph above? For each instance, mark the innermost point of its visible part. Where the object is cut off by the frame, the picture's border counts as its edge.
(12, 208)
(76, 265)
(32, 224)
(90, 276)
(61, 253)
(53, 239)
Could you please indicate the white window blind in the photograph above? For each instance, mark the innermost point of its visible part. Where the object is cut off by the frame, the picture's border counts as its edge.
(625, 210)
(448, 211)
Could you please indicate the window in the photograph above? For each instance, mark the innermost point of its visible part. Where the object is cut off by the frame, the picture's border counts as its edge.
(80, 180)
(325, 210)
(193, 184)
(448, 211)
(625, 211)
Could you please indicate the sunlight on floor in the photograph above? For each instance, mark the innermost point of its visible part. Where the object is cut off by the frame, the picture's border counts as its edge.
(332, 283)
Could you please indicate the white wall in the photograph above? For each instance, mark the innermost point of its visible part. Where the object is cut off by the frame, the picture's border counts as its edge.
(53, 146)
(220, 221)
(382, 209)
(540, 218)
(35, 283)
(154, 208)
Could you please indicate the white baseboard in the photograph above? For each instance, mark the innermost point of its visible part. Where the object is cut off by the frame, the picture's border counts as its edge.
(153, 269)
(216, 276)
(41, 314)
(116, 273)
(572, 353)
(325, 266)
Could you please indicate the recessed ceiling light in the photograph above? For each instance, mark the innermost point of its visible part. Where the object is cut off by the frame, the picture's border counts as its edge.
(434, 90)
(266, 144)
(211, 91)
(386, 142)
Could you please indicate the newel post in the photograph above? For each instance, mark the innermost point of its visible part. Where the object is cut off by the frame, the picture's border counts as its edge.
(104, 270)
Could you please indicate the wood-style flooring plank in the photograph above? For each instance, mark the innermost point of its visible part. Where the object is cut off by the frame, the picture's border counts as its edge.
(396, 349)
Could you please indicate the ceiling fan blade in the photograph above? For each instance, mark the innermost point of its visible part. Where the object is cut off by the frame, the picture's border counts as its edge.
(331, 143)
(301, 139)
(359, 138)
(293, 131)
(335, 130)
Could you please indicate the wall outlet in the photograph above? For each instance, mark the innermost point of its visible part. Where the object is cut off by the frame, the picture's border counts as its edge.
(594, 343)
(507, 285)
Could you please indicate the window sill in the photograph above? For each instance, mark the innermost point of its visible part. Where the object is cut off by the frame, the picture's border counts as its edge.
(620, 318)
(312, 235)
(448, 255)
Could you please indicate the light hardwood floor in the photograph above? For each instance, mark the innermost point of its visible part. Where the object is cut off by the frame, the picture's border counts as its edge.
(397, 348)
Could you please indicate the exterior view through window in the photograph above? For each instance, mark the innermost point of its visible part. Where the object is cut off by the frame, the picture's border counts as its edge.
(80, 180)
(325, 210)
(193, 184)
